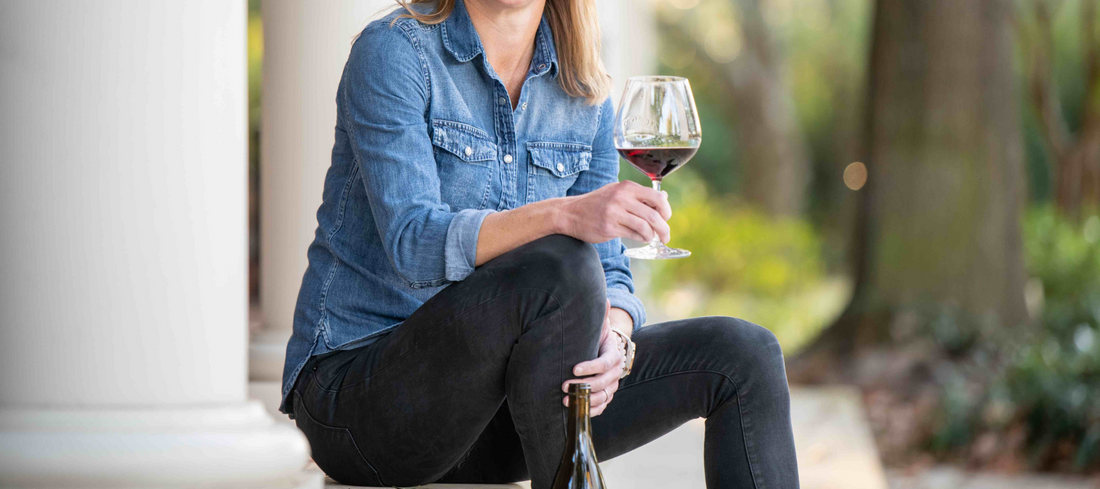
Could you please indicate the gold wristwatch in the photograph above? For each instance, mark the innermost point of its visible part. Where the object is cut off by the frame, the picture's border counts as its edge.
(628, 355)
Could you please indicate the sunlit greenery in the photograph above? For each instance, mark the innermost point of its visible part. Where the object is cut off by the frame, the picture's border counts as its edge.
(745, 264)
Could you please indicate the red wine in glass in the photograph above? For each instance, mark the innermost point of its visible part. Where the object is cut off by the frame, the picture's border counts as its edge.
(657, 163)
(657, 130)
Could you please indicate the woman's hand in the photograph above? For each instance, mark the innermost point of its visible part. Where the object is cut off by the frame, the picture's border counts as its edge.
(603, 373)
(617, 210)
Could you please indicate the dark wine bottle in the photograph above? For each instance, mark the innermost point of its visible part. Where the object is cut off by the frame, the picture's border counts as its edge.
(579, 467)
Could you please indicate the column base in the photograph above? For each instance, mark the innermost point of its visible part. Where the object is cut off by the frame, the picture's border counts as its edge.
(231, 446)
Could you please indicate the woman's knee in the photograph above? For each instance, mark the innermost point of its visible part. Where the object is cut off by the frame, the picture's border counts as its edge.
(566, 259)
(557, 261)
(755, 349)
(568, 269)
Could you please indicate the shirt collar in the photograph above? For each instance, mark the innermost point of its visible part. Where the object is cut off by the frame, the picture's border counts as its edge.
(461, 40)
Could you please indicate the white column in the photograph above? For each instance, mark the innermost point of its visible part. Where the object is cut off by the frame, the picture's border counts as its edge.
(123, 265)
(305, 47)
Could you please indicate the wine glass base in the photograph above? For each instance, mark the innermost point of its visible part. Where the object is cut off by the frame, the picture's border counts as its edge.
(651, 252)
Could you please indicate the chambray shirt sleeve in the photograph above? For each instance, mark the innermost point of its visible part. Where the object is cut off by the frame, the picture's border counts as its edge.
(604, 170)
(383, 105)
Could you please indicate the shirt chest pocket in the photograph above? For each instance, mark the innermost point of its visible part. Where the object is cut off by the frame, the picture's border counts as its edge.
(464, 157)
(555, 167)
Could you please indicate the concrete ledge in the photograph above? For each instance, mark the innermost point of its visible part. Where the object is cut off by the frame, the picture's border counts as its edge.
(330, 484)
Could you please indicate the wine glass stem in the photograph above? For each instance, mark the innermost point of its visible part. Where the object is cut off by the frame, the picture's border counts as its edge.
(656, 241)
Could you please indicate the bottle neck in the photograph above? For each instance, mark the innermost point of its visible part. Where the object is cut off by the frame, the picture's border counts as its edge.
(580, 423)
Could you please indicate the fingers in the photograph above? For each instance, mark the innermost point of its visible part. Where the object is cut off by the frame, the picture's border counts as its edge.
(655, 200)
(599, 408)
(626, 232)
(598, 401)
(608, 359)
(603, 380)
(603, 372)
(654, 219)
(636, 228)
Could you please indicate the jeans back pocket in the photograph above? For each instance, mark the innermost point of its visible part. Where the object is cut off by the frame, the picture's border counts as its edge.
(335, 450)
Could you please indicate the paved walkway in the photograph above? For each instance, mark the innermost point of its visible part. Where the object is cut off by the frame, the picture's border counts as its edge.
(954, 478)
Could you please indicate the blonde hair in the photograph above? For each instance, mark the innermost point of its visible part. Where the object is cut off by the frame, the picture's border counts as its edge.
(576, 33)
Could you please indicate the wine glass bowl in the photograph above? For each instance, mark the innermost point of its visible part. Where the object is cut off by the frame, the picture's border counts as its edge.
(657, 130)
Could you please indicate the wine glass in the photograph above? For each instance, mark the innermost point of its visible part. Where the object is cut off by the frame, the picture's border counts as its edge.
(657, 130)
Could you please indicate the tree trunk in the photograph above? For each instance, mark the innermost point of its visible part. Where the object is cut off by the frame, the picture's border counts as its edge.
(939, 226)
(771, 148)
(1075, 156)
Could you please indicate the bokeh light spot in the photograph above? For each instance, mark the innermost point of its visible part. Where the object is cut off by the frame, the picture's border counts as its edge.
(723, 43)
(855, 175)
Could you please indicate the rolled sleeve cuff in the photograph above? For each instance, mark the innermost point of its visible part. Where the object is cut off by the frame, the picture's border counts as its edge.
(623, 299)
(460, 252)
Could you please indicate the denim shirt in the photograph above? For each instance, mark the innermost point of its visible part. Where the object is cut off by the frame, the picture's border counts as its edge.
(427, 145)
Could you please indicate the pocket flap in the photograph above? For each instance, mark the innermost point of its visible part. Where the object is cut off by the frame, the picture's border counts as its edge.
(466, 142)
(560, 159)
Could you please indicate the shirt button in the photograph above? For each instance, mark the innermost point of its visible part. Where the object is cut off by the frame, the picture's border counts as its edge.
(524, 106)
(507, 158)
(502, 100)
(469, 151)
(561, 167)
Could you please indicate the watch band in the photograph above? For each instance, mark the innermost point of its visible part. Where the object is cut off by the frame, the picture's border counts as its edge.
(628, 355)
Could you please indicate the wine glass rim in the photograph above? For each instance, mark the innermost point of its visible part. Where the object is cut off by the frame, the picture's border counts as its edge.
(658, 79)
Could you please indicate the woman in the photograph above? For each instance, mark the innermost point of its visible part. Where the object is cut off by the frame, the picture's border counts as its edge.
(467, 267)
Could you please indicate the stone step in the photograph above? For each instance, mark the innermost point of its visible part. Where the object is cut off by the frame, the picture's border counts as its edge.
(521, 485)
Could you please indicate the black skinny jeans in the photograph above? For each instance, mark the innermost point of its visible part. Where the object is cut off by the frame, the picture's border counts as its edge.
(468, 389)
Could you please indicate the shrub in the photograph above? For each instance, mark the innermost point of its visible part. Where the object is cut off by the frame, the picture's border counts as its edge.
(746, 264)
(1054, 379)
(1045, 381)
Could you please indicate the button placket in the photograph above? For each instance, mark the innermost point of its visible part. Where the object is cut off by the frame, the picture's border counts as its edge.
(507, 136)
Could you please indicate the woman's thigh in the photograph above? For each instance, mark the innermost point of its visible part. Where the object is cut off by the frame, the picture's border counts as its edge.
(411, 405)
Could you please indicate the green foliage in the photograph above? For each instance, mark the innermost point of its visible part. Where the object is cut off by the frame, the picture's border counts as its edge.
(1046, 379)
(745, 264)
(1055, 377)
(255, 65)
(741, 250)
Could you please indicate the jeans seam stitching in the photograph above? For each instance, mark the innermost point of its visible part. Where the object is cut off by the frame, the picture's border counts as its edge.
(740, 411)
(744, 436)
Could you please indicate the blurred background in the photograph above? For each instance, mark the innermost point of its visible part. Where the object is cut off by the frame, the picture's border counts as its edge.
(904, 191)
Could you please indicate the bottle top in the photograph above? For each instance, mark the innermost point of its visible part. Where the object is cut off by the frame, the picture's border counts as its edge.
(582, 390)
